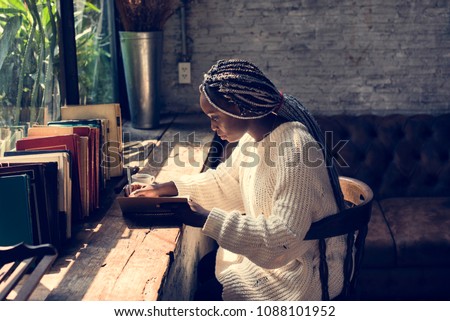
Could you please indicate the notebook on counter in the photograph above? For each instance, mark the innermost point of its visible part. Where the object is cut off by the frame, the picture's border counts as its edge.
(152, 206)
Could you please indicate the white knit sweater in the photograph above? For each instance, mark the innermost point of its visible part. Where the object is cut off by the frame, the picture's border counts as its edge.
(263, 200)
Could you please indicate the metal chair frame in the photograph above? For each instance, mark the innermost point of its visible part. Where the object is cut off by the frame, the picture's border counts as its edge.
(353, 222)
(24, 264)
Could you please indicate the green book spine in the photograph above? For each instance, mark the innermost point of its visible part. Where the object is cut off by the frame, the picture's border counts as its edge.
(15, 212)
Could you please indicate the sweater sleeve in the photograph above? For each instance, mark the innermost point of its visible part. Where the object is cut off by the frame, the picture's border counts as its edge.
(302, 194)
(215, 187)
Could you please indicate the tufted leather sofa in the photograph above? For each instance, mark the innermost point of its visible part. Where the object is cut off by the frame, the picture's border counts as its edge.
(405, 159)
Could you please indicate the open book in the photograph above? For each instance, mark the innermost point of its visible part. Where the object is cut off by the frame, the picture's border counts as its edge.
(152, 206)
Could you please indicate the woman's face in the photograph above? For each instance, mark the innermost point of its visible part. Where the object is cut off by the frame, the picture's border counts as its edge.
(227, 127)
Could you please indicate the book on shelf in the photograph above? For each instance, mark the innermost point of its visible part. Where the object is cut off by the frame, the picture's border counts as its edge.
(88, 178)
(99, 128)
(9, 135)
(113, 147)
(43, 199)
(63, 142)
(64, 180)
(15, 212)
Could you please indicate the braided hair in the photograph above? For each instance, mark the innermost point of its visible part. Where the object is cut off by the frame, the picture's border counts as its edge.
(241, 83)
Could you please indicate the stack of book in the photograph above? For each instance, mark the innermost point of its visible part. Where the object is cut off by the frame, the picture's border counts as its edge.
(57, 173)
(9, 135)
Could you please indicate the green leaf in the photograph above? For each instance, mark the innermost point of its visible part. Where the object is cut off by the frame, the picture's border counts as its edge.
(18, 4)
(10, 11)
(92, 7)
(10, 31)
(5, 78)
(45, 16)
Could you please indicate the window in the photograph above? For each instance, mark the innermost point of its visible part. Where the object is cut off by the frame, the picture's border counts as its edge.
(29, 63)
(95, 50)
(35, 79)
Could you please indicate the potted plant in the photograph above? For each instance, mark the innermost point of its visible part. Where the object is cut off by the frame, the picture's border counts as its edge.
(141, 43)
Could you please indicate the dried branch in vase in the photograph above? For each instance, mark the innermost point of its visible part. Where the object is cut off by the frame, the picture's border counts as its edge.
(145, 15)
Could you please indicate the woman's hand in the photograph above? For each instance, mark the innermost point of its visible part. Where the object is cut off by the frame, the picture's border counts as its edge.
(197, 208)
(142, 190)
(153, 190)
(196, 217)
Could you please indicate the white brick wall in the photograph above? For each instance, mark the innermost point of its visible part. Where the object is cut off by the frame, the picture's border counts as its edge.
(337, 56)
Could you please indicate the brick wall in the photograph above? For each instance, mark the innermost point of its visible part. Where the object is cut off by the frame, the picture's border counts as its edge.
(336, 56)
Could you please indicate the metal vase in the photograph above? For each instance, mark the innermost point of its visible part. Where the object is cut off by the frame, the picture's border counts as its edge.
(142, 58)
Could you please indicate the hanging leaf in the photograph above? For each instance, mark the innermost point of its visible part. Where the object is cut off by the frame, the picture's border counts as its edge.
(9, 33)
(17, 4)
(92, 7)
(10, 11)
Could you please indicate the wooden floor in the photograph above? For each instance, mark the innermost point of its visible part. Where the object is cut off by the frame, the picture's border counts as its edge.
(112, 258)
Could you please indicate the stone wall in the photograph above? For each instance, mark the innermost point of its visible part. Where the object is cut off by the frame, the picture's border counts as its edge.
(336, 56)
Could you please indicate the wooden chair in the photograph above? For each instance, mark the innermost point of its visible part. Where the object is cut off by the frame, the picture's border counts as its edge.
(353, 222)
(25, 264)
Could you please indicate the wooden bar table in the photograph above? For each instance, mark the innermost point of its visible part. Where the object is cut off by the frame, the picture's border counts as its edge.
(113, 258)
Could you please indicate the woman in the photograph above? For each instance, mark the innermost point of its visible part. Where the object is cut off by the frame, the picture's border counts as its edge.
(259, 204)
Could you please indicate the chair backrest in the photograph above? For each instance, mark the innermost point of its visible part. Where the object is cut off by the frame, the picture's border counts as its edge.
(353, 222)
(22, 260)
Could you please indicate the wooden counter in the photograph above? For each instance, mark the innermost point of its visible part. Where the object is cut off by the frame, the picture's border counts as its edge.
(112, 258)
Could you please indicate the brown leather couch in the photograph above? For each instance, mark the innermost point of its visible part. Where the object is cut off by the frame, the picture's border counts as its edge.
(405, 159)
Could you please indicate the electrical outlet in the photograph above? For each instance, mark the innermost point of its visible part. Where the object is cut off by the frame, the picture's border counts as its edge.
(184, 72)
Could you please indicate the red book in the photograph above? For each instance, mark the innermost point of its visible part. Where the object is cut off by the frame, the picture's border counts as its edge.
(88, 177)
(70, 143)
